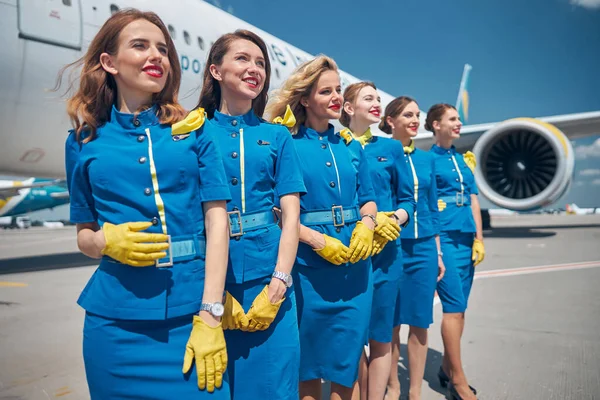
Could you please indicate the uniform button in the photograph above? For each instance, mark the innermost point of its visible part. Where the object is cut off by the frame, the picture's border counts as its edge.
(328, 164)
(136, 122)
(338, 230)
(142, 160)
(320, 137)
(234, 181)
(234, 122)
(234, 155)
(453, 169)
(234, 135)
(323, 146)
(147, 191)
(154, 221)
(456, 180)
(332, 184)
(141, 138)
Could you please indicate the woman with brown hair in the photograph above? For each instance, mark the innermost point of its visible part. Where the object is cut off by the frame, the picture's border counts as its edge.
(393, 189)
(135, 187)
(263, 172)
(461, 240)
(332, 270)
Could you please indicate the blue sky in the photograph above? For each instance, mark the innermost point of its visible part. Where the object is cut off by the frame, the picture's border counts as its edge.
(530, 58)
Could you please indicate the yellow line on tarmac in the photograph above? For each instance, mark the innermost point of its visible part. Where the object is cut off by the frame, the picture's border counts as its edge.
(13, 284)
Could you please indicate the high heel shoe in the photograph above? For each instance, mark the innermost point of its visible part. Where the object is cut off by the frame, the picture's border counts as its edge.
(452, 394)
(444, 380)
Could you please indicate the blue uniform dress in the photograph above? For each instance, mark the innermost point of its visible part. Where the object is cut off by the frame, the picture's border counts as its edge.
(419, 250)
(393, 190)
(455, 185)
(334, 302)
(138, 319)
(262, 165)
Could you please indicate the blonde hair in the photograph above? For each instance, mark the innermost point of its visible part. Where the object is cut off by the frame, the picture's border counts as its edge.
(298, 85)
(350, 95)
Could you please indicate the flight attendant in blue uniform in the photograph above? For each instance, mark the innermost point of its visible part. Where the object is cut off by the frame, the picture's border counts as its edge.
(423, 266)
(136, 189)
(263, 171)
(393, 189)
(461, 240)
(333, 269)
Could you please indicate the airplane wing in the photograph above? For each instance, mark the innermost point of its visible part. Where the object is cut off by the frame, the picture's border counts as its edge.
(12, 191)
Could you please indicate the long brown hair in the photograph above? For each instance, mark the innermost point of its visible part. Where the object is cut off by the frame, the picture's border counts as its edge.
(435, 113)
(210, 97)
(392, 110)
(298, 85)
(350, 95)
(91, 104)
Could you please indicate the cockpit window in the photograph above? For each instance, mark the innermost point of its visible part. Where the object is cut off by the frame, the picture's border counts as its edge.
(113, 8)
(171, 31)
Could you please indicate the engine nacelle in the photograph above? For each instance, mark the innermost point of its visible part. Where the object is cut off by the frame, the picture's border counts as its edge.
(523, 164)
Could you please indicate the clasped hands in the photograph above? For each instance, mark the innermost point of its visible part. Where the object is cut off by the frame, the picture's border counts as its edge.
(260, 315)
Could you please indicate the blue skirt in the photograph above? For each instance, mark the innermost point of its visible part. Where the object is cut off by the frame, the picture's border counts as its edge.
(418, 282)
(264, 364)
(455, 286)
(387, 270)
(141, 359)
(334, 305)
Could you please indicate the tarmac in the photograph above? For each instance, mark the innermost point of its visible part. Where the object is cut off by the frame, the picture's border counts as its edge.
(532, 329)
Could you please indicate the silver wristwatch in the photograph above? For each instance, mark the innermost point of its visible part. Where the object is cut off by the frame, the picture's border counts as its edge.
(216, 309)
(285, 278)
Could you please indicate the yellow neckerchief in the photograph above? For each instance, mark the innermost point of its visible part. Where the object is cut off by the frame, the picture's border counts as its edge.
(288, 119)
(470, 160)
(410, 148)
(346, 134)
(365, 138)
(193, 121)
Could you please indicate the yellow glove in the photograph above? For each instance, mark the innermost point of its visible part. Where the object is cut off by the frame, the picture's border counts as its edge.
(478, 252)
(441, 205)
(126, 244)
(361, 242)
(334, 251)
(263, 312)
(207, 346)
(234, 316)
(379, 243)
(387, 226)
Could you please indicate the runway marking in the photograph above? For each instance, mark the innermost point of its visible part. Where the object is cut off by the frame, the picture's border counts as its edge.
(13, 284)
(494, 273)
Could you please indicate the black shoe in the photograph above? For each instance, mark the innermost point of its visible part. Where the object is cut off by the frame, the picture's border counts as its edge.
(452, 394)
(444, 380)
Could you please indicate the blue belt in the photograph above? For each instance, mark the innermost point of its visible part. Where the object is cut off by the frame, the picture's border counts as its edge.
(240, 223)
(338, 216)
(459, 199)
(183, 248)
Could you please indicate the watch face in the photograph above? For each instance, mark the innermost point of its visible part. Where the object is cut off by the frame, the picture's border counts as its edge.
(290, 281)
(217, 310)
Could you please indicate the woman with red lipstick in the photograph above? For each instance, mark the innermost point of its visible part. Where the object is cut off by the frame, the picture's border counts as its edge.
(423, 266)
(263, 171)
(135, 190)
(461, 241)
(332, 269)
(393, 189)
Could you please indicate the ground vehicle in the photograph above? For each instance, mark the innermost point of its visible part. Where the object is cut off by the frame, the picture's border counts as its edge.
(21, 222)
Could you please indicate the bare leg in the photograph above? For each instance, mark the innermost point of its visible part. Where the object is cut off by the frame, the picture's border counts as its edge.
(361, 386)
(380, 360)
(339, 392)
(452, 327)
(310, 390)
(417, 355)
(393, 386)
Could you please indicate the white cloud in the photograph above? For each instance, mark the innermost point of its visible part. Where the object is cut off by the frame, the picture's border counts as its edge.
(589, 151)
(592, 4)
(596, 182)
(589, 172)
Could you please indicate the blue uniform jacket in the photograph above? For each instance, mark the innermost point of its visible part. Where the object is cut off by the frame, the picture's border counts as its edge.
(425, 220)
(262, 165)
(335, 174)
(455, 184)
(136, 171)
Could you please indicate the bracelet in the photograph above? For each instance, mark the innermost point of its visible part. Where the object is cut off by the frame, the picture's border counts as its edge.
(370, 216)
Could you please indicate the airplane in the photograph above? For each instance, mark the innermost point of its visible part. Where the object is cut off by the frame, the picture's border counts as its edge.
(573, 209)
(21, 197)
(523, 164)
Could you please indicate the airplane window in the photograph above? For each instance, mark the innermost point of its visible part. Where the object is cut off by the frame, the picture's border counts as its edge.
(67, 3)
(187, 37)
(171, 31)
(200, 43)
(113, 8)
(277, 73)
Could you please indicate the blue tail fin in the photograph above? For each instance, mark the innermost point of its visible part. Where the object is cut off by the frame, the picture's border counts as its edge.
(462, 102)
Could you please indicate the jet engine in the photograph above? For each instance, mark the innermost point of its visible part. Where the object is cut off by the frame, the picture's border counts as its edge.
(523, 164)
